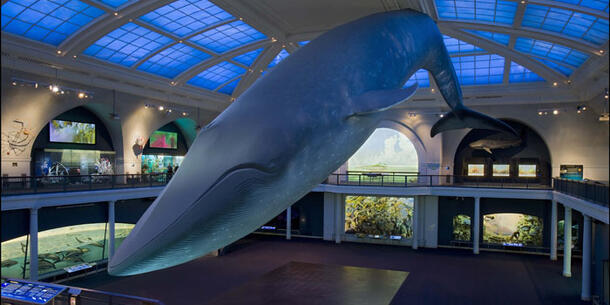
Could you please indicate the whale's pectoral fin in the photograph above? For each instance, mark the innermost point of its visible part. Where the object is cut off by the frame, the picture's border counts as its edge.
(380, 100)
(463, 117)
(488, 150)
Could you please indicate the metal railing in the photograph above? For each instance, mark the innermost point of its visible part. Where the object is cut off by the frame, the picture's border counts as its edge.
(593, 191)
(54, 184)
(413, 180)
(84, 296)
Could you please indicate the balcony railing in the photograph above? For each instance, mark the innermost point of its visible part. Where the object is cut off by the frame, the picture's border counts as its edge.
(413, 180)
(589, 190)
(53, 184)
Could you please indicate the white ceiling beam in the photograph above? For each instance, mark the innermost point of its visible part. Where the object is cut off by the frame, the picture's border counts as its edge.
(549, 36)
(428, 7)
(196, 69)
(533, 65)
(570, 7)
(259, 65)
(104, 24)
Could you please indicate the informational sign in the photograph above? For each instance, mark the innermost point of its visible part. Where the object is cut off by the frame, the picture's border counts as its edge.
(35, 293)
(78, 267)
(572, 172)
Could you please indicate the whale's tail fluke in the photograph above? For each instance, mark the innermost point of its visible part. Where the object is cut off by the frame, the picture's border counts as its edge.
(462, 117)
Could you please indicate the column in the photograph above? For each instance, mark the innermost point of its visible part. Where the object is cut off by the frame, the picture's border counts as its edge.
(476, 225)
(567, 242)
(111, 222)
(554, 230)
(33, 244)
(585, 293)
(338, 217)
(415, 222)
(288, 222)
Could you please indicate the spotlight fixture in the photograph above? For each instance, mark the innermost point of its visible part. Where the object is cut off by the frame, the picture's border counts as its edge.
(184, 114)
(606, 93)
(441, 115)
(58, 51)
(539, 112)
(432, 90)
(555, 112)
(81, 95)
(161, 108)
(555, 84)
(14, 83)
(54, 88)
(169, 110)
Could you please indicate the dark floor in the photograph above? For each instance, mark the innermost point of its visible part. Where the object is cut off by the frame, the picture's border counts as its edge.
(436, 276)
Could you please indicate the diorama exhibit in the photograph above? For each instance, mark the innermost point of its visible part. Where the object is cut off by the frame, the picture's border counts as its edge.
(310, 152)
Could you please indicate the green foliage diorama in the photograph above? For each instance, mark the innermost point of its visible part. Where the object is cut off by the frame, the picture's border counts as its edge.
(512, 228)
(382, 216)
(461, 227)
(560, 238)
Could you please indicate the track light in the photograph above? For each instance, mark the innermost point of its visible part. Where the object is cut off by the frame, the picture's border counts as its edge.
(161, 108)
(555, 112)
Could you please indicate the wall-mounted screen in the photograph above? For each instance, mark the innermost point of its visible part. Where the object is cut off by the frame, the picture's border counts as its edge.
(476, 169)
(527, 170)
(512, 229)
(164, 139)
(379, 217)
(71, 132)
(501, 170)
(572, 172)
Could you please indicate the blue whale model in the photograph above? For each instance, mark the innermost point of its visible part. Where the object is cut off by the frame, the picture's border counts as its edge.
(288, 132)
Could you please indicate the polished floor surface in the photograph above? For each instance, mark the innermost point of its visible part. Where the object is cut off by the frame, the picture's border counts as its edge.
(436, 276)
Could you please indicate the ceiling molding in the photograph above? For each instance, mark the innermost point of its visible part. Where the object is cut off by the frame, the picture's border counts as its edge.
(106, 23)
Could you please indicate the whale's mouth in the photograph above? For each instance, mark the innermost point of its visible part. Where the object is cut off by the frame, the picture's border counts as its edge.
(241, 178)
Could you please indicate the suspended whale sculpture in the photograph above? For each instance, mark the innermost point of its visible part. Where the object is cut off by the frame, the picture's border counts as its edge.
(288, 132)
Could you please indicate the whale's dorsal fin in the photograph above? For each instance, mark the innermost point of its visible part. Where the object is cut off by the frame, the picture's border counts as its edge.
(380, 100)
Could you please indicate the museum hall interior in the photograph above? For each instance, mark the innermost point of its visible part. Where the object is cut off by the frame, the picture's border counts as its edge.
(262, 152)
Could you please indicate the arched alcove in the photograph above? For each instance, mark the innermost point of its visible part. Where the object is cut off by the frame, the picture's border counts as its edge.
(485, 155)
(74, 142)
(387, 150)
(165, 147)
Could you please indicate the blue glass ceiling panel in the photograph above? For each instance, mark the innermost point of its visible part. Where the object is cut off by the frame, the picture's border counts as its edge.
(279, 57)
(185, 17)
(114, 3)
(561, 68)
(127, 44)
(567, 22)
(497, 37)
(550, 50)
(497, 11)
(479, 69)
(216, 75)
(227, 37)
(248, 58)
(599, 5)
(230, 87)
(520, 74)
(456, 46)
(49, 21)
(420, 77)
(173, 60)
(302, 43)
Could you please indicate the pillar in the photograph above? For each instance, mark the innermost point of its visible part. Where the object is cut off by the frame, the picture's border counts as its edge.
(288, 222)
(585, 293)
(111, 222)
(415, 222)
(554, 230)
(338, 217)
(567, 242)
(476, 225)
(33, 244)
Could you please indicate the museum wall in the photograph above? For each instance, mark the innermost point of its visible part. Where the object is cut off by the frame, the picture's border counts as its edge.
(26, 111)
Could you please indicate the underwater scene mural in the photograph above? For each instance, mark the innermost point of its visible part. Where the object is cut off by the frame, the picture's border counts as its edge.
(379, 217)
(461, 227)
(512, 229)
(60, 248)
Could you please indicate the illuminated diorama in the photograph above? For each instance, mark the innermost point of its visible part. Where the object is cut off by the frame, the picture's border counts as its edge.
(509, 229)
(273, 166)
(379, 217)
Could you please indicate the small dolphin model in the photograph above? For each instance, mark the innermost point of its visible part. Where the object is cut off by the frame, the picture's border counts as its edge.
(288, 132)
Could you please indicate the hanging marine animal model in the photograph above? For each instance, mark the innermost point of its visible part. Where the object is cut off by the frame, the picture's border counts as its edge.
(287, 132)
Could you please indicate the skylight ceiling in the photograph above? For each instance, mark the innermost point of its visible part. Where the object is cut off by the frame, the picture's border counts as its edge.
(199, 44)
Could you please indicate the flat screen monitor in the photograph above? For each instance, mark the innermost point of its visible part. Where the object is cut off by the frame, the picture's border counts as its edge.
(527, 170)
(71, 132)
(476, 170)
(164, 139)
(501, 170)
